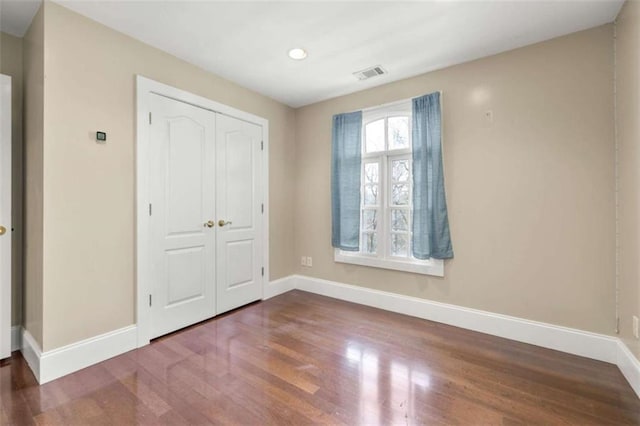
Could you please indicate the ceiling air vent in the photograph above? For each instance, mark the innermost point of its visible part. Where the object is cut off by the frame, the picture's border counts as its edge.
(369, 72)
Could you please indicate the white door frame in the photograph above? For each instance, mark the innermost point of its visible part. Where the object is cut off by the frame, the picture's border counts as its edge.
(5, 216)
(144, 88)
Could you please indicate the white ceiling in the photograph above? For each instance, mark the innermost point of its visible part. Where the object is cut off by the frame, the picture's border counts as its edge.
(247, 42)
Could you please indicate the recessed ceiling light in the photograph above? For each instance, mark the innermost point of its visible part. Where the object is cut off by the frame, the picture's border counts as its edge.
(297, 53)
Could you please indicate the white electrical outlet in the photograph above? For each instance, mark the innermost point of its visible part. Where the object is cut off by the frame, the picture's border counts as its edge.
(309, 261)
(635, 327)
(303, 261)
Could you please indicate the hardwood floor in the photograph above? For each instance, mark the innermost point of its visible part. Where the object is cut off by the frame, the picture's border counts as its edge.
(300, 358)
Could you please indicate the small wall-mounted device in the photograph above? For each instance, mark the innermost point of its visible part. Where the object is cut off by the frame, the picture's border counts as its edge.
(101, 136)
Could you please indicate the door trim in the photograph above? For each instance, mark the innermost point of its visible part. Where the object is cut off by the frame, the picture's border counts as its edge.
(145, 87)
(5, 216)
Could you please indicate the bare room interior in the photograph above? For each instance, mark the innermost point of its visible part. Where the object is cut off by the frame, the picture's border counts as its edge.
(319, 212)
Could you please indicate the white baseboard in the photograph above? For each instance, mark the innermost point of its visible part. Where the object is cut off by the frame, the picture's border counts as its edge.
(31, 353)
(577, 342)
(279, 286)
(16, 338)
(629, 366)
(58, 362)
(583, 343)
(50, 365)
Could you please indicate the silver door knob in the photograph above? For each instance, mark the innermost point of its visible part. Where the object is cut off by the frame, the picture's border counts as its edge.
(222, 222)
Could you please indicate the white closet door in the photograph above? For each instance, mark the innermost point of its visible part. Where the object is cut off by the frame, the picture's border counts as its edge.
(5, 216)
(182, 188)
(239, 212)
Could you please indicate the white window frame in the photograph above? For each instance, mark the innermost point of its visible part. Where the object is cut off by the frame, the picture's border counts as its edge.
(383, 259)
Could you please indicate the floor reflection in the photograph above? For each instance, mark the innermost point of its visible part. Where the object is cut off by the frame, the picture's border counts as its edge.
(389, 389)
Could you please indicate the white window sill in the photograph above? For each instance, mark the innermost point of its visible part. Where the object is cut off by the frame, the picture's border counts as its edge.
(433, 267)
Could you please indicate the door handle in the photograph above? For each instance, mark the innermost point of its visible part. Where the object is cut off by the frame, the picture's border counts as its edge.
(3, 230)
(209, 224)
(222, 222)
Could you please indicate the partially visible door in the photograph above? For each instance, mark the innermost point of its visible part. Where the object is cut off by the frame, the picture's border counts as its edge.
(182, 189)
(5, 216)
(238, 212)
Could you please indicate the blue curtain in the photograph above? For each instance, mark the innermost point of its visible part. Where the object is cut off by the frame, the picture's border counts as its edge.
(346, 159)
(431, 238)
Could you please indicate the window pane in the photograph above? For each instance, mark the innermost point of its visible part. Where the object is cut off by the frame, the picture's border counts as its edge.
(371, 173)
(374, 134)
(399, 245)
(369, 220)
(400, 194)
(398, 132)
(371, 195)
(369, 243)
(400, 170)
(399, 220)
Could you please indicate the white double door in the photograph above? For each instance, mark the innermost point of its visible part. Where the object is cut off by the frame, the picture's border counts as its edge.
(205, 214)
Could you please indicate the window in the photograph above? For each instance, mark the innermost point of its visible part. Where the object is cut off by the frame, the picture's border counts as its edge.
(386, 194)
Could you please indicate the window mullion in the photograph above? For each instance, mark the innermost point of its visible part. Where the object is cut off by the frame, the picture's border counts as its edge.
(387, 206)
(384, 160)
(382, 223)
(383, 200)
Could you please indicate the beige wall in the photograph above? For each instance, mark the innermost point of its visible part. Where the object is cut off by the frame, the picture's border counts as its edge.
(89, 280)
(11, 64)
(530, 195)
(628, 126)
(531, 199)
(33, 45)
